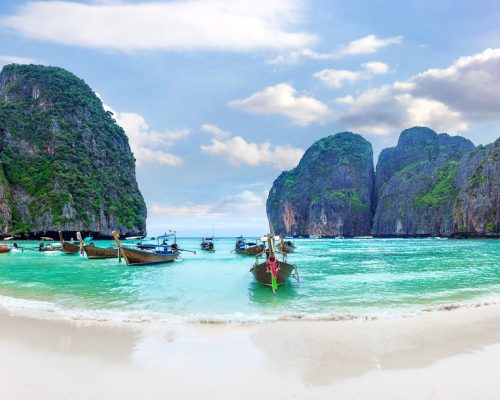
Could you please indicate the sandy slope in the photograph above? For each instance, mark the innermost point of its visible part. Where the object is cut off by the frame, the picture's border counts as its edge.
(441, 355)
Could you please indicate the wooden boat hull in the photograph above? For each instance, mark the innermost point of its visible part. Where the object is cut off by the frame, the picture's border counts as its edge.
(252, 251)
(287, 249)
(4, 249)
(264, 277)
(69, 248)
(96, 253)
(138, 257)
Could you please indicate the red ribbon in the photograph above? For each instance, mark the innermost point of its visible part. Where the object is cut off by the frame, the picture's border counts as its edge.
(273, 267)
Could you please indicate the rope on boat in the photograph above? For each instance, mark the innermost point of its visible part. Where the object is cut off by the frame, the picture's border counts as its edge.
(295, 273)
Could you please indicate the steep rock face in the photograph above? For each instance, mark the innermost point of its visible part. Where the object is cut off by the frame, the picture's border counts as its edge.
(329, 193)
(417, 184)
(65, 163)
(477, 209)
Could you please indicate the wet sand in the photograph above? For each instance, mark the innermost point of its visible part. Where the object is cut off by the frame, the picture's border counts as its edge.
(440, 355)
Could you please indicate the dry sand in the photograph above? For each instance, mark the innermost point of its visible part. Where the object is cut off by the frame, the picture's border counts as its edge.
(440, 355)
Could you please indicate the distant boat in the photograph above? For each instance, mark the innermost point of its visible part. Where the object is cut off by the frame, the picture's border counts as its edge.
(48, 247)
(148, 254)
(243, 247)
(96, 253)
(272, 272)
(207, 244)
(363, 237)
(314, 236)
(287, 246)
(68, 248)
(134, 238)
(9, 238)
(46, 239)
(93, 252)
(4, 248)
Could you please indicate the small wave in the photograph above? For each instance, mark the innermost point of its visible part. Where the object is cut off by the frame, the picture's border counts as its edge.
(47, 310)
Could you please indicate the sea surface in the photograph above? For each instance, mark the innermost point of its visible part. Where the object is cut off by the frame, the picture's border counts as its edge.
(339, 278)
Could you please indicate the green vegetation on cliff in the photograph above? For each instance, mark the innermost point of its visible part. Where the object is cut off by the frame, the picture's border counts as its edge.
(329, 193)
(430, 184)
(67, 163)
(444, 188)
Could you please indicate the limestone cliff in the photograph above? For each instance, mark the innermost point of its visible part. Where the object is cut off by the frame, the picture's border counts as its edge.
(64, 162)
(329, 193)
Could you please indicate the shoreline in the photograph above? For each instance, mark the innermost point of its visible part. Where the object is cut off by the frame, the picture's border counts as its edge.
(286, 359)
(49, 311)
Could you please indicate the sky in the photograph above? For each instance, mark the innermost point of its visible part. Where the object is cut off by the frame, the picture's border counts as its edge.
(218, 97)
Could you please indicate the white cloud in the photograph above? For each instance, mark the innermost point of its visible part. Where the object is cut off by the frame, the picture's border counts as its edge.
(368, 45)
(283, 99)
(215, 131)
(145, 143)
(236, 25)
(365, 45)
(238, 151)
(243, 203)
(448, 99)
(6, 59)
(336, 78)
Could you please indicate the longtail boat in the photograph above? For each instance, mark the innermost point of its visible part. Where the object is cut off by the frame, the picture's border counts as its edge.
(68, 248)
(147, 254)
(243, 247)
(273, 272)
(207, 244)
(96, 253)
(4, 248)
(286, 246)
(48, 247)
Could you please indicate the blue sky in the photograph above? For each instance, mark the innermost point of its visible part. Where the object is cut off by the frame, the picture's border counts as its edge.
(219, 96)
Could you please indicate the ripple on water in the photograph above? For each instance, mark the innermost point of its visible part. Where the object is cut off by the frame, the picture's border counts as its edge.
(338, 278)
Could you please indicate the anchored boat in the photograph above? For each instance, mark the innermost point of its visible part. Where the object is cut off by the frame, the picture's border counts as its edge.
(4, 248)
(148, 254)
(287, 246)
(96, 253)
(273, 272)
(68, 248)
(243, 247)
(207, 243)
(49, 247)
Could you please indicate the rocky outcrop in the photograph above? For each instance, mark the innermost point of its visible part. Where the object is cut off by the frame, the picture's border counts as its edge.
(428, 185)
(417, 184)
(329, 193)
(65, 163)
(477, 208)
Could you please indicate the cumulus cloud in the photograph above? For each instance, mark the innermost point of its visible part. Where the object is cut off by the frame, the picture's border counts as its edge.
(236, 25)
(7, 59)
(146, 143)
(336, 78)
(365, 45)
(238, 151)
(283, 99)
(448, 99)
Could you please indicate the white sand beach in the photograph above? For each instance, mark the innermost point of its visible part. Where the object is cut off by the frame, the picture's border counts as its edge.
(440, 355)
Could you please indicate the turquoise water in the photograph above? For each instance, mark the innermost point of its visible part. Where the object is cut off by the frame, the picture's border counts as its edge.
(337, 278)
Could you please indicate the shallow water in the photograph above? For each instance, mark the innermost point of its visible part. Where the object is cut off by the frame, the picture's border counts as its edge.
(338, 278)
